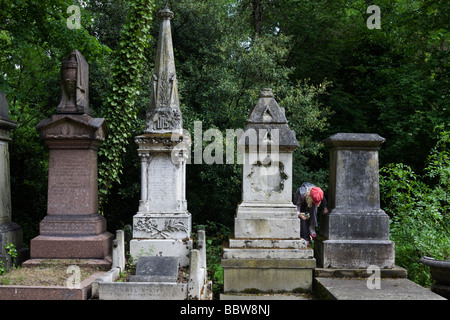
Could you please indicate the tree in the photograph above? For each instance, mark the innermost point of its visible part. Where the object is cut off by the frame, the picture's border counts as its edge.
(34, 40)
(419, 209)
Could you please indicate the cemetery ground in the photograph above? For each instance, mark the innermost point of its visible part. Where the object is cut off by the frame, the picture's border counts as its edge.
(50, 272)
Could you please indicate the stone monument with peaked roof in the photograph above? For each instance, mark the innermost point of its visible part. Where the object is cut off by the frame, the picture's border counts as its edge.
(266, 252)
(10, 232)
(162, 226)
(73, 227)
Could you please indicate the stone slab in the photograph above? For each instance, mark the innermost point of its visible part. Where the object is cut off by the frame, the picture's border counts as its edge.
(73, 225)
(267, 274)
(71, 247)
(268, 243)
(162, 247)
(142, 291)
(49, 292)
(357, 289)
(267, 279)
(269, 264)
(354, 225)
(354, 253)
(99, 263)
(266, 220)
(267, 228)
(156, 269)
(395, 272)
(274, 296)
(267, 253)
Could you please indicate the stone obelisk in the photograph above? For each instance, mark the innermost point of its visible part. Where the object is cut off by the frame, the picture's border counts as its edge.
(162, 225)
(73, 228)
(10, 232)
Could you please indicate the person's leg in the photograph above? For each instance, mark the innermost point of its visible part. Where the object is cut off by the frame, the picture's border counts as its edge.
(304, 230)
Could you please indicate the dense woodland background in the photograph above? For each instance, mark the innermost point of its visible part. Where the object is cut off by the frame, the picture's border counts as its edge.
(328, 70)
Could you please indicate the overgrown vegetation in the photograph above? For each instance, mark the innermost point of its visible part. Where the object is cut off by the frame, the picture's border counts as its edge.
(419, 206)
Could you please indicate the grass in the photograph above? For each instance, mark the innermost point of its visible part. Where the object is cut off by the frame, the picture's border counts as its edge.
(49, 273)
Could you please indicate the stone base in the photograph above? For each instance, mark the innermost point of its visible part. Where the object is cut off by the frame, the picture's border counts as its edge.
(104, 263)
(259, 221)
(70, 225)
(358, 289)
(49, 292)
(267, 265)
(71, 247)
(241, 275)
(354, 253)
(161, 247)
(142, 291)
(361, 273)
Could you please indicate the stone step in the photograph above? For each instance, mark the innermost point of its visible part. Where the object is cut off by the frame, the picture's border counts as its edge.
(267, 253)
(266, 296)
(268, 243)
(365, 289)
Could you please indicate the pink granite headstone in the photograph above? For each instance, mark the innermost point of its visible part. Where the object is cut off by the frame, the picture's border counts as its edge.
(73, 228)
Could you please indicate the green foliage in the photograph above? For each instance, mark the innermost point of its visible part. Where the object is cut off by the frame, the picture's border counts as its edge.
(419, 210)
(11, 254)
(120, 111)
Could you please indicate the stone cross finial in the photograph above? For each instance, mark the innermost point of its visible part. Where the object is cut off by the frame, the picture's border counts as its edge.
(164, 115)
(75, 85)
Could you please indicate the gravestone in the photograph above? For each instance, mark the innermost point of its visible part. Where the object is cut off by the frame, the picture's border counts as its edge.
(266, 252)
(162, 225)
(356, 232)
(73, 228)
(10, 232)
(156, 269)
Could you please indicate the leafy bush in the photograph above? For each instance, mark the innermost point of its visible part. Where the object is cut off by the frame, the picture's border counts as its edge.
(419, 209)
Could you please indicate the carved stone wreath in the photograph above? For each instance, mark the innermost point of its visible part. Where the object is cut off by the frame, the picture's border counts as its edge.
(170, 226)
(267, 178)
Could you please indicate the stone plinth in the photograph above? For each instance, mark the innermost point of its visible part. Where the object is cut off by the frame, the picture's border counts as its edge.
(356, 232)
(163, 225)
(73, 228)
(10, 232)
(267, 253)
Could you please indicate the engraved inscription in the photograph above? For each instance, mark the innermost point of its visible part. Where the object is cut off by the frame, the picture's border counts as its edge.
(68, 183)
(161, 182)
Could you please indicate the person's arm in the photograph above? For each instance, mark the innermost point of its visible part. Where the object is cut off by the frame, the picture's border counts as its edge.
(324, 204)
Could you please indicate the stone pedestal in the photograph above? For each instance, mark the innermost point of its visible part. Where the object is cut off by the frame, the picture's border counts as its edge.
(356, 232)
(73, 228)
(162, 225)
(267, 253)
(10, 232)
